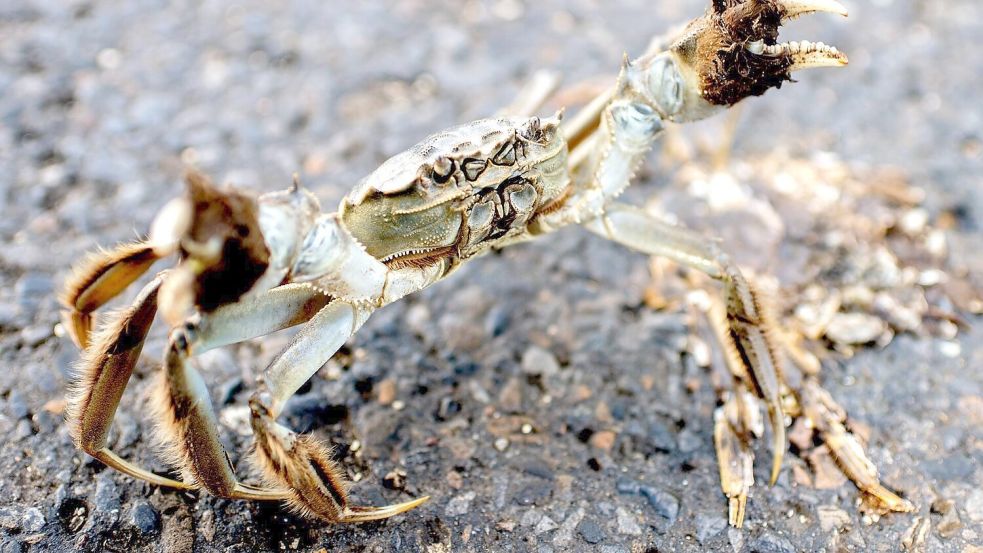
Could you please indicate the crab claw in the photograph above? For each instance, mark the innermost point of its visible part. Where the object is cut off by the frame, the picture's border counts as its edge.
(733, 52)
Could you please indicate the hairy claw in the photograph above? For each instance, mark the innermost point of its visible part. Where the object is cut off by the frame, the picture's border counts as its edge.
(733, 52)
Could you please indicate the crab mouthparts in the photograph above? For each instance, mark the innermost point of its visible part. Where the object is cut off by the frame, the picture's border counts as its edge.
(803, 54)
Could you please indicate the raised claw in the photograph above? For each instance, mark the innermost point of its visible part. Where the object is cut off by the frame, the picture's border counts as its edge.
(733, 52)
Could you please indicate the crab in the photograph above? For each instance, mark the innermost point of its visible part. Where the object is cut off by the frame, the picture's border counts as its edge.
(251, 266)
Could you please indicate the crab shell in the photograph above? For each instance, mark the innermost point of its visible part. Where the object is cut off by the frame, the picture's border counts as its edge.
(459, 192)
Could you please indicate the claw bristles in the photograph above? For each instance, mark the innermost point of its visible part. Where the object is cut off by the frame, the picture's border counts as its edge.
(79, 291)
(106, 366)
(99, 278)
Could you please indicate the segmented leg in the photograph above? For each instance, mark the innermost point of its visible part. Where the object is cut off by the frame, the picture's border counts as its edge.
(102, 373)
(745, 332)
(747, 323)
(106, 366)
(317, 485)
(829, 420)
(184, 410)
(100, 278)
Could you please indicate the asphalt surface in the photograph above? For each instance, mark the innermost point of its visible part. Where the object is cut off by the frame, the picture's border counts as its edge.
(103, 105)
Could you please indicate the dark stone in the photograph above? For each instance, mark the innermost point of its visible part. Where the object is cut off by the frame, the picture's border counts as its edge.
(664, 503)
(590, 531)
(497, 321)
(447, 409)
(144, 518)
(9, 544)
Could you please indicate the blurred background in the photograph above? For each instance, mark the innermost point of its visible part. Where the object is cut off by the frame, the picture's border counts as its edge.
(860, 190)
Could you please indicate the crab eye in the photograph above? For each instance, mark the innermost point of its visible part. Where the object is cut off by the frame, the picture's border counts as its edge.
(443, 168)
(533, 129)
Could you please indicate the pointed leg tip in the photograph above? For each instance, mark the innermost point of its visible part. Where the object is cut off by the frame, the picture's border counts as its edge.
(890, 500)
(367, 514)
(779, 445)
(736, 510)
(776, 466)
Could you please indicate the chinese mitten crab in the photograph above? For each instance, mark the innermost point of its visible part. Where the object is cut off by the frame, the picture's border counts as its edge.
(249, 267)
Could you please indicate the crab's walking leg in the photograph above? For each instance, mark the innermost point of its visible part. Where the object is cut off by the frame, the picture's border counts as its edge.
(187, 419)
(103, 371)
(106, 366)
(734, 459)
(829, 419)
(301, 464)
(99, 279)
(747, 325)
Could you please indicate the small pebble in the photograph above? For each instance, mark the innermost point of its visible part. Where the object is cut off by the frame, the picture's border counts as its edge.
(537, 360)
(855, 328)
(603, 439)
(564, 535)
(545, 524)
(627, 524)
(23, 430)
(10, 518)
(227, 390)
(395, 479)
(709, 526)
(386, 392)
(144, 518)
(832, 517)
(531, 517)
(460, 504)
(35, 335)
(628, 487)
(591, 532)
(501, 444)
(107, 493)
(17, 406)
(664, 503)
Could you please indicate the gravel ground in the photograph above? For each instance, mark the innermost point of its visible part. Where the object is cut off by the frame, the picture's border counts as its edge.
(103, 105)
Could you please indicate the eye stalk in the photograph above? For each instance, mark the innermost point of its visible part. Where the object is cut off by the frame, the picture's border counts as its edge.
(443, 168)
(733, 52)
